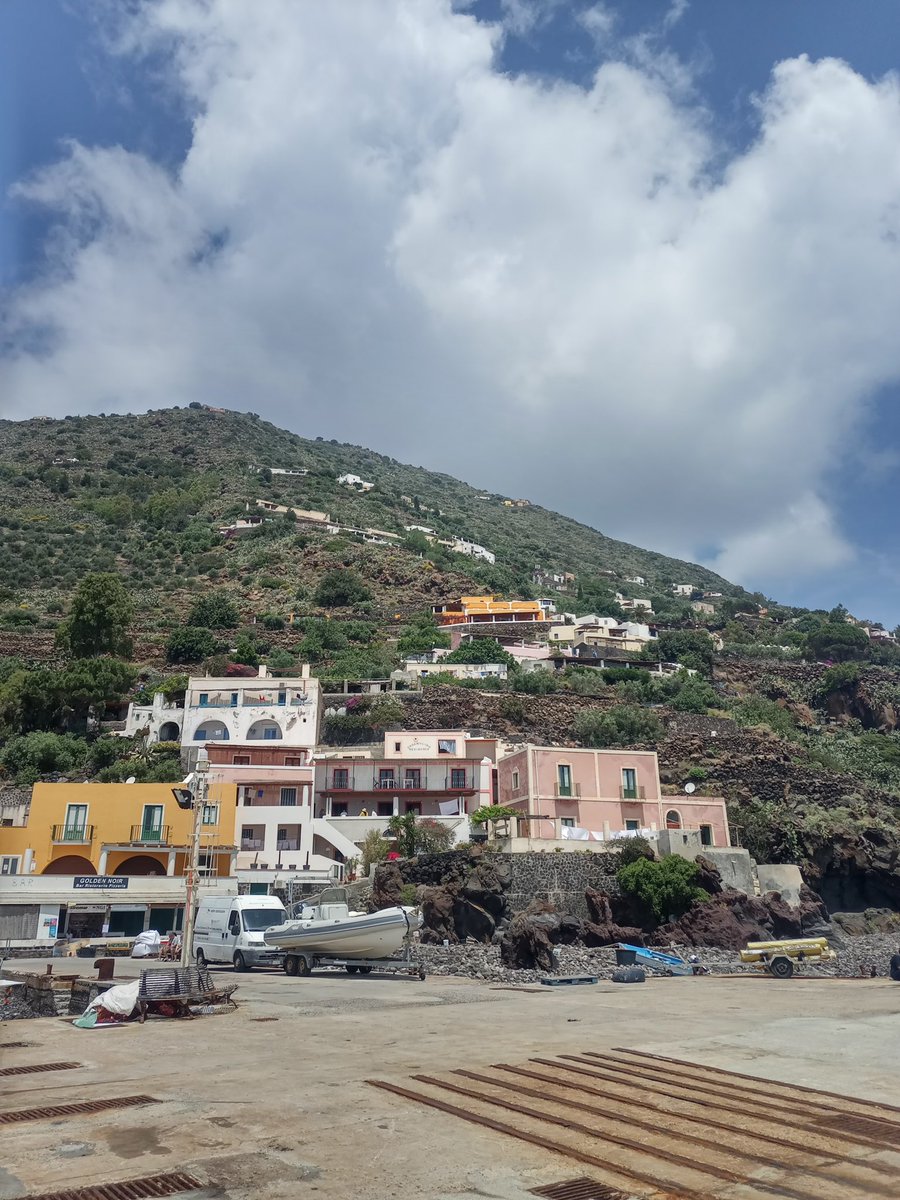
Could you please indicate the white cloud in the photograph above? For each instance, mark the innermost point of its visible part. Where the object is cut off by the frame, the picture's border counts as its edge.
(572, 294)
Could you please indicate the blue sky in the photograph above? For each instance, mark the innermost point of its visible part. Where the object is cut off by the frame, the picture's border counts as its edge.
(427, 279)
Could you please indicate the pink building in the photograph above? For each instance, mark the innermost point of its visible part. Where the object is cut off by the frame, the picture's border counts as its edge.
(606, 792)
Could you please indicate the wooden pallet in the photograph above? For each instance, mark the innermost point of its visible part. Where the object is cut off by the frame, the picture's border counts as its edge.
(568, 980)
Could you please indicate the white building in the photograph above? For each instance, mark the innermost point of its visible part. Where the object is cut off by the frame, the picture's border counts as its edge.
(415, 669)
(682, 589)
(638, 579)
(464, 546)
(355, 481)
(261, 709)
(160, 721)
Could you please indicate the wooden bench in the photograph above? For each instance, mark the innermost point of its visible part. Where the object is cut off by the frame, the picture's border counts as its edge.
(181, 987)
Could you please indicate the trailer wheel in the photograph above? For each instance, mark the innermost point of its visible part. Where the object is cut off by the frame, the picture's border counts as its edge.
(781, 967)
(365, 970)
(304, 965)
(351, 970)
(290, 964)
(422, 972)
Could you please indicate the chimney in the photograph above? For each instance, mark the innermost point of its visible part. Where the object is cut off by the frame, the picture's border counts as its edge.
(263, 673)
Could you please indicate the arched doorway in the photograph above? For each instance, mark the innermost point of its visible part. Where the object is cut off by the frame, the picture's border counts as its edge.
(141, 864)
(70, 864)
(673, 819)
(169, 732)
(265, 731)
(211, 731)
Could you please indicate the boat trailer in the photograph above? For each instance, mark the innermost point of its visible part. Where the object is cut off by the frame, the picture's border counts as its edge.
(302, 962)
(779, 958)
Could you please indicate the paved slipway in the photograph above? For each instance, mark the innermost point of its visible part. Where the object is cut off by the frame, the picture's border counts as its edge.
(274, 1100)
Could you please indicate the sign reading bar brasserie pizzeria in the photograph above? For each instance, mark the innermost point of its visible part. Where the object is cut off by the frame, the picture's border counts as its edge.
(99, 881)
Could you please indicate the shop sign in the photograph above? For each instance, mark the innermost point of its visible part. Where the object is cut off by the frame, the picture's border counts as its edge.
(82, 882)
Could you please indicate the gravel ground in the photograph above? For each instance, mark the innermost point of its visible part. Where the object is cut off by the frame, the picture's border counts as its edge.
(473, 960)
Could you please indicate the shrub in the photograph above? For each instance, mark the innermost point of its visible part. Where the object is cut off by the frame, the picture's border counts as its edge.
(480, 651)
(215, 611)
(756, 710)
(339, 589)
(620, 726)
(374, 849)
(190, 644)
(698, 774)
(32, 755)
(280, 662)
(662, 889)
(633, 850)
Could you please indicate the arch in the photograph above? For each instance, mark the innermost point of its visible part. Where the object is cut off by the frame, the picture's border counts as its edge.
(268, 731)
(169, 731)
(70, 864)
(211, 731)
(673, 819)
(140, 864)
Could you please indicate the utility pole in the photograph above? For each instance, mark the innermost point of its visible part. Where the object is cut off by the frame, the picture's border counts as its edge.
(199, 787)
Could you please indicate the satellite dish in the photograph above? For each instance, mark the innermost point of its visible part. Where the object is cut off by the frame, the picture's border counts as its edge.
(690, 788)
(130, 779)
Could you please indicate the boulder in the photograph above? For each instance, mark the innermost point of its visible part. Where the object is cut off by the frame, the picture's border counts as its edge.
(608, 934)
(708, 875)
(530, 937)
(472, 921)
(728, 920)
(387, 885)
(438, 918)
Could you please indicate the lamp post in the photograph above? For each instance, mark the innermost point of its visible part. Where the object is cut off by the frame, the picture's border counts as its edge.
(198, 791)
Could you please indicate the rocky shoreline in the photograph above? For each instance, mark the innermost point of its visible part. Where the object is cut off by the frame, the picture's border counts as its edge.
(475, 960)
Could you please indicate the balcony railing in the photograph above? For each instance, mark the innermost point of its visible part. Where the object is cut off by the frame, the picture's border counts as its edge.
(82, 834)
(251, 843)
(150, 835)
(288, 844)
(571, 791)
(460, 783)
(632, 793)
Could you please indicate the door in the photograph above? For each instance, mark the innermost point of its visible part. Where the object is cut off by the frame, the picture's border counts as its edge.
(232, 934)
(151, 826)
(76, 822)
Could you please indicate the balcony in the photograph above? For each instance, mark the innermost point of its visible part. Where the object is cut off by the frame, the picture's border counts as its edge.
(632, 793)
(146, 835)
(288, 844)
(81, 835)
(571, 791)
(450, 783)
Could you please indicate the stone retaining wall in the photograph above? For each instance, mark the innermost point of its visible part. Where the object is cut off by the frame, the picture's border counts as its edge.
(560, 879)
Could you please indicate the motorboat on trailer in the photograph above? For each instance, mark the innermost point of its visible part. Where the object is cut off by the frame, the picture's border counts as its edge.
(331, 929)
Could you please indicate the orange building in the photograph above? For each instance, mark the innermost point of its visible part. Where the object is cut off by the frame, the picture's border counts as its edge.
(487, 610)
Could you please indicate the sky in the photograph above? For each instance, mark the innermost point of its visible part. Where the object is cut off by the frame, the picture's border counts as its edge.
(638, 261)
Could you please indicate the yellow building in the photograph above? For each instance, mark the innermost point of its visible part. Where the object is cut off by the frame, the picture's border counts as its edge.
(473, 610)
(100, 843)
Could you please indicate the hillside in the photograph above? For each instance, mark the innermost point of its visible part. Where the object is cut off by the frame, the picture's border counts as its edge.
(145, 495)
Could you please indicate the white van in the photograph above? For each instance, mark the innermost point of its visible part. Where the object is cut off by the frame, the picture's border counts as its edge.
(229, 929)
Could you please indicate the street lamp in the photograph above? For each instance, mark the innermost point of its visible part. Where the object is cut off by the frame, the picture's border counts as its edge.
(193, 796)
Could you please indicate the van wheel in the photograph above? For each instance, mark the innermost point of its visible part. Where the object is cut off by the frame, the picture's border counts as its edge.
(290, 965)
(240, 963)
(201, 959)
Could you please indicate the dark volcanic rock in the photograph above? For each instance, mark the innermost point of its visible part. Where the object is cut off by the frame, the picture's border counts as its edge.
(708, 876)
(530, 937)
(438, 921)
(602, 929)
(387, 885)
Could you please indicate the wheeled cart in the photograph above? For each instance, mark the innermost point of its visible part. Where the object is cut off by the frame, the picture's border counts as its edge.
(304, 962)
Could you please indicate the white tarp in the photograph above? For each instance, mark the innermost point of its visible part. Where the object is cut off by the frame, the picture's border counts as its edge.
(146, 944)
(573, 833)
(449, 808)
(120, 999)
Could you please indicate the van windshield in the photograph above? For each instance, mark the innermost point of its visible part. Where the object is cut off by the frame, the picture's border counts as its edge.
(261, 918)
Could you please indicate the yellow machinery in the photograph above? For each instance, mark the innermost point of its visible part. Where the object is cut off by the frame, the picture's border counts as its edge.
(778, 958)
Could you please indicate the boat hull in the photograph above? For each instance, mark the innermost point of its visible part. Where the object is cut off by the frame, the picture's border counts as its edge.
(368, 936)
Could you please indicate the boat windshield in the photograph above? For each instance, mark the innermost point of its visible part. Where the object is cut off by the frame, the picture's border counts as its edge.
(261, 918)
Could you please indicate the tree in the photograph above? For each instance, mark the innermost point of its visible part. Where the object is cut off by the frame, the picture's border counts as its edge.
(98, 623)
(281, 662)
(662, 889)
(490, 814)
(374, 849)
(189, 644)
(620, 726)
(480, 650)
(673, 645)
(32, 755)
(421, 637)
(215, 611)
(340, 589)
(838, 642)
(695, 695)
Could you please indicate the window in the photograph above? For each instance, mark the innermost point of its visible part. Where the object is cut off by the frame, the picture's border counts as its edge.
(396, 747)
(629, 783)
(564, 779)
(340, 778)
(241, 760)
(234, 699)
(386, 777)
(706, 835)
(633, 825)
(458, 777)
(260, 792)
(282, 697)
(210, 814)
(151, 825)
(9, 865)
(446, 746)
(413, 806)
(76, 822)
(413, 778)
(385, 808)
(204, 699)
(288, 797)
(515, 781)
(282, 833)
(673, 819)
(207, 862)
(567, 822)
(294, 760)
(234, 924)
(6, 822)
(339, 809)
(270, 734)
